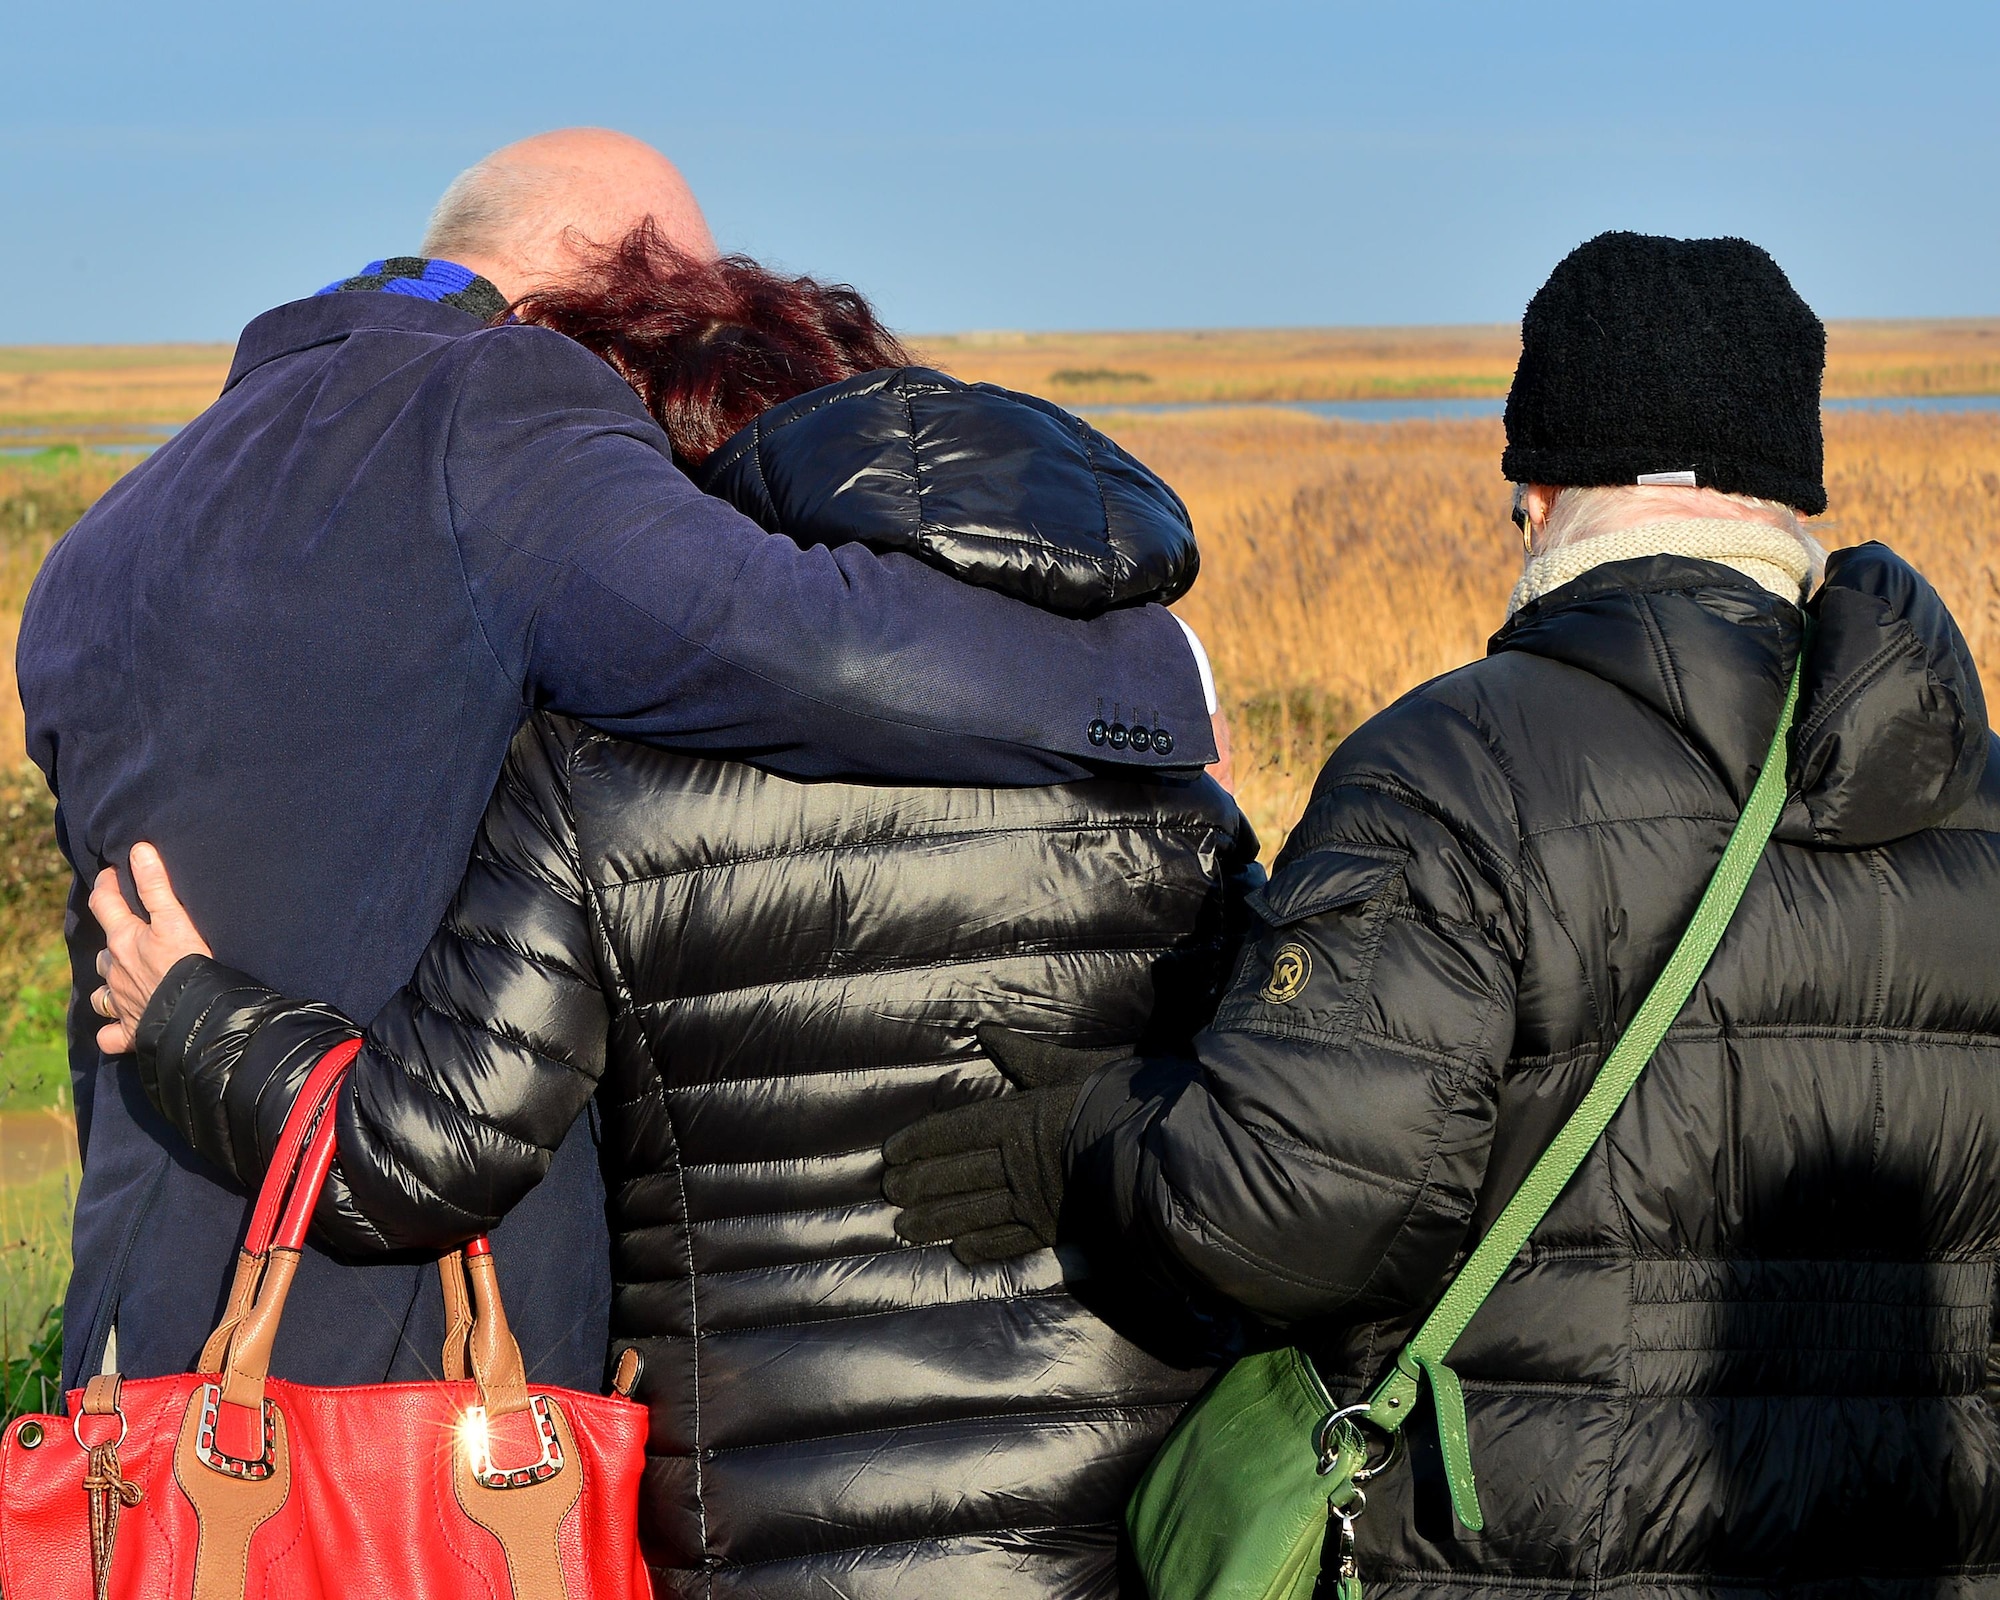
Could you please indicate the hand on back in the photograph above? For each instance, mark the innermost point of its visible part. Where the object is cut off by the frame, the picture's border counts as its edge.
(139, 951)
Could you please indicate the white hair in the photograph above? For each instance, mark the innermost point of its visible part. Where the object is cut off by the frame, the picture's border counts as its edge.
(1580, 514)
(484, 208)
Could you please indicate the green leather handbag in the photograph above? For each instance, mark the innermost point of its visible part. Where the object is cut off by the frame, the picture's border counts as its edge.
(1237, 1504)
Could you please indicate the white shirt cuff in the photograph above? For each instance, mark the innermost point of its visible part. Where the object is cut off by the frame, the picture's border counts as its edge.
(1201, 665)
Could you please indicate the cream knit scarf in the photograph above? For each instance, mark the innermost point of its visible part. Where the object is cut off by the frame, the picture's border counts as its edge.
(1762, 553)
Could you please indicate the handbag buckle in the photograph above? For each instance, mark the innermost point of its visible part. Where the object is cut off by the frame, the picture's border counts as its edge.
(1327, 1442)
(475, 1436)
(216, 1460)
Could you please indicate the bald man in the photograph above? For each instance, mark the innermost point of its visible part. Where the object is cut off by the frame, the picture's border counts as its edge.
(292, 646)
(517, 217)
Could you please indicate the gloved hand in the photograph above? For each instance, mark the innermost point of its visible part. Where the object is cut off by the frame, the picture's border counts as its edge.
(989, 1176)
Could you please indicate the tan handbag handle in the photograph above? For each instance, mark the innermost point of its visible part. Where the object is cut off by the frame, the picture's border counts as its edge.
(249, 1271)
(477, 1335)
(494, 1352)
(457, 1317)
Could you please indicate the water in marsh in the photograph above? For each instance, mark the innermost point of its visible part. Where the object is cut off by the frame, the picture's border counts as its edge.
(111, 439)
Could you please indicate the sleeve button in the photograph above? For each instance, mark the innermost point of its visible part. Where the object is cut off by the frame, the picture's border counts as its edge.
(1097, 731)
(1163, 742)
(1118, 737)
(1142, 737)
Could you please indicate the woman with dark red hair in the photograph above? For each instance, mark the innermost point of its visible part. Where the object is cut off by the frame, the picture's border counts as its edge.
(755, 981)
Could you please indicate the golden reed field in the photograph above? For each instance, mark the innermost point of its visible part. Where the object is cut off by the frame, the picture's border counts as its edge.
(1098, 369)
(103, 391)
(1343, 563)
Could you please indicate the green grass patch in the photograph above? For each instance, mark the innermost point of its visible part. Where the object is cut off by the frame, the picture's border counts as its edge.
(34, 1072)
(40, 497)
(32, 1381)
(54, 458)
(1074, 375)
(34, 966)
(34, 1271)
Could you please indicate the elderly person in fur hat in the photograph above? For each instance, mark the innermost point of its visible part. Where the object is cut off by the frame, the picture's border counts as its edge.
(1749, 1343)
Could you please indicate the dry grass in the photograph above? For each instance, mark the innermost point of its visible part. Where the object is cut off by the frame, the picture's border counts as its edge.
(1863, 358)
(1881, 358)
(1343, 564)
(1240, 364)
(1930, 486)
(40, 496)
(102, 392)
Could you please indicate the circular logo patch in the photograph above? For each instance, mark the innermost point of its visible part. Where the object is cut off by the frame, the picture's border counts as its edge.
(1291, 968)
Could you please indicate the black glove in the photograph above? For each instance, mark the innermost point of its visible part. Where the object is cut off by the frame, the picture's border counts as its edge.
(989, 1176)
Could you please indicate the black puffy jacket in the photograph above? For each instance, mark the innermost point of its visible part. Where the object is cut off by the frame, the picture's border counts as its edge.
(1750, 1350)
(759, 980)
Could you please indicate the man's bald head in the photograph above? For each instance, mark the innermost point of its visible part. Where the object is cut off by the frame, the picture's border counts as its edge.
(518, 216)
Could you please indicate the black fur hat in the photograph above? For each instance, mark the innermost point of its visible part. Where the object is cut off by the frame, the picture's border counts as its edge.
(1644, 355)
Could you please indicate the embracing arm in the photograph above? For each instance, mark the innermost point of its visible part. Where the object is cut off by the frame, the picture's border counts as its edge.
(468, 1078)
(1324, 1154)
(615, 592)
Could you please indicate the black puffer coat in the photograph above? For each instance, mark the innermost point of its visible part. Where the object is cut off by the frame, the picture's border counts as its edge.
(1750, 1350)
(760, 980)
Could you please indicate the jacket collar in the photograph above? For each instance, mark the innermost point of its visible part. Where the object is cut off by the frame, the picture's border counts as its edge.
(1708, 648)
(327, 319)
(1891, 735)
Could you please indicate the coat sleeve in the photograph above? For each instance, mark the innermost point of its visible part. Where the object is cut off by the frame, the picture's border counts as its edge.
(614, 591)
(468, 1078)
(1323, 1154)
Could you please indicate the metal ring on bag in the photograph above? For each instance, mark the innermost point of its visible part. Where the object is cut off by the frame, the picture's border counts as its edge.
(76, 1429)
(1329, 1452)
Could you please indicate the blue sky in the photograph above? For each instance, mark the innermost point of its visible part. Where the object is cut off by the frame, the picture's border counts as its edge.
(168, 171)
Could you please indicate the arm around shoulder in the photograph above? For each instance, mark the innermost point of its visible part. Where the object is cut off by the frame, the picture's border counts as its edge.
(1324, 1153)
(616, 592)
(469, 1077)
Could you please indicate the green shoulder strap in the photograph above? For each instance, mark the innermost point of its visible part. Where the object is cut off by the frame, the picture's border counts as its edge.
(1423, 1358)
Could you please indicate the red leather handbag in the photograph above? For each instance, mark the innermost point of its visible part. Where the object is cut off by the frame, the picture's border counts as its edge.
(229, 1484)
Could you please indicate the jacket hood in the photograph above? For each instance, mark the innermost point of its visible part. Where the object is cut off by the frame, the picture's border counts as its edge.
(1890, 735)
(1001, 489)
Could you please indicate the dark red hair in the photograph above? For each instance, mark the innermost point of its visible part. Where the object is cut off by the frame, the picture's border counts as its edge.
(711, 344)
